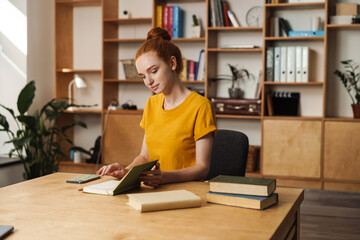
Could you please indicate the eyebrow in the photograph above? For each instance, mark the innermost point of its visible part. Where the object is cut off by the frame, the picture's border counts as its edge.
(147, 69)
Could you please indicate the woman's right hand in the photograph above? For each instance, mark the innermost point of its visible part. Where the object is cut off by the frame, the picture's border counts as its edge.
(115, 170)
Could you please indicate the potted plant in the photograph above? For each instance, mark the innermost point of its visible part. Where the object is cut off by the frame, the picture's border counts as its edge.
(37, 140)
(350, 80)
(236, 74)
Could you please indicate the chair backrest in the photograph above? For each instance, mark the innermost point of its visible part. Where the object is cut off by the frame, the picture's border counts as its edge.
(229, 154)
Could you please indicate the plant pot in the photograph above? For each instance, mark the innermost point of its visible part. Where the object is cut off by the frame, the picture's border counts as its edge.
(356, 110)
(235, 93)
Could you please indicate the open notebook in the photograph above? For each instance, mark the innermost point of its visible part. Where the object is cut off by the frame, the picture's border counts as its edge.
(128, 182)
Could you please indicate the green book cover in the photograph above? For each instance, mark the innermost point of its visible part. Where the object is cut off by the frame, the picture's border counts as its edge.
(243, 180)
(130, 180)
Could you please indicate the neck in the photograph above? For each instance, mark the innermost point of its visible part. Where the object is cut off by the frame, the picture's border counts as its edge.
(175, 96)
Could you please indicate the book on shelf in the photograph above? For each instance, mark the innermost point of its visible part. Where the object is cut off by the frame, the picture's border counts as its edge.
(233, 20)
(245, 201)
(166, 200)
(213, 20)
(128, 182)
(220, 13)
(225, 6)
(283, 63)
(165, 17)
(191, 69)
(178, 22)
(243, 185)
(183, 74)
(284, 27)
(200, 69)
(290, 68)
(319, 33)
(159, 13)
(170, 21)
(269, 104)
(270, 64)
(277, 55)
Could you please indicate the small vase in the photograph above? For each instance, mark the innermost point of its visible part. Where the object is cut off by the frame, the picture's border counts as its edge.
(235, 93)
(356, 110)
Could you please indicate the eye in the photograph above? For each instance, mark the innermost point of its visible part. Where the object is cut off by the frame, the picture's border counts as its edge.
(155, 71)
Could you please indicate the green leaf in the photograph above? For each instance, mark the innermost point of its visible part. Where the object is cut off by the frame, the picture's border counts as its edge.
(26, 97)
(4, 123)
(9, 110)
(29, 121)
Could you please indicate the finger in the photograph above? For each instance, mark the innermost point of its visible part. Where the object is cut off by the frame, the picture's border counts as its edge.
(110, 168)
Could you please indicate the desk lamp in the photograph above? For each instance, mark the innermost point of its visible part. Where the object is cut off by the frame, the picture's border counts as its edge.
(79, 83)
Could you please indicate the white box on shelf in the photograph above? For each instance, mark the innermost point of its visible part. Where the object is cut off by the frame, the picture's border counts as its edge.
(341, 19)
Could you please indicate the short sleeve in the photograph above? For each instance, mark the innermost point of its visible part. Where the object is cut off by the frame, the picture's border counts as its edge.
(143, 120)
(205, 121)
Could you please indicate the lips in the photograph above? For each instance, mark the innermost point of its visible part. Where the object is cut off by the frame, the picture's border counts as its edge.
(154, 88)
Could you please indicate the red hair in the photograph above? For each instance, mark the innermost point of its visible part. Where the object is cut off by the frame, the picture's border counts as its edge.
(159, 41)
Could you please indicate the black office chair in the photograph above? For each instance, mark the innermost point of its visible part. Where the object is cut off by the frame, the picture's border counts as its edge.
(229, 154)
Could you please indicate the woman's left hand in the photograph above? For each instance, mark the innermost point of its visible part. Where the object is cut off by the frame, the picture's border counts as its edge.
(153, 177)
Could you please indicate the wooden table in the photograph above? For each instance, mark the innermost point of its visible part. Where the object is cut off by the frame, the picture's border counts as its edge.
(50, 208)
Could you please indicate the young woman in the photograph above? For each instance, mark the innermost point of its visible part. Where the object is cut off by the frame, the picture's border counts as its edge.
(179, 124)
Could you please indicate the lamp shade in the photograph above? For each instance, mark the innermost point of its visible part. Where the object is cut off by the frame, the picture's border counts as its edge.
(79, 82)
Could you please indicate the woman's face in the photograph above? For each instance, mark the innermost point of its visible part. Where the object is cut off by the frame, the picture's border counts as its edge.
(158, 75)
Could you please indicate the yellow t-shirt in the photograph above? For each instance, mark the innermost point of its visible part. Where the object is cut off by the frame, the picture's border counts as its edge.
(171, 134)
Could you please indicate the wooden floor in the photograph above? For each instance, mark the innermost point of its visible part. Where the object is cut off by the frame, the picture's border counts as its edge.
(330, 215)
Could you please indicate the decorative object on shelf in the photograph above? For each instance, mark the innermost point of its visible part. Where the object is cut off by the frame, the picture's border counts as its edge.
(124, 14)
(129, 105)
(195, 28)
(130, 69)
(237, 74)
(237, 106)
(254, 17)
(350, 80)
(79, 83)
(37, 141)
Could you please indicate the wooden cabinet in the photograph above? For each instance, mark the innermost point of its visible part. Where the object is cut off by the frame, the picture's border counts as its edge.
(291, 148)
(341, 151)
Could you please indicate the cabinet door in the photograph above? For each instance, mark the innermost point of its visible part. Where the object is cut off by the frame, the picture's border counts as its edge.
(123, 138)
(341, 150)
(292, 148)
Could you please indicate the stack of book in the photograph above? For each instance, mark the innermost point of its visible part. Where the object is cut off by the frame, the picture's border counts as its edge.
(171, 18)
(221, 15)
(254, 193)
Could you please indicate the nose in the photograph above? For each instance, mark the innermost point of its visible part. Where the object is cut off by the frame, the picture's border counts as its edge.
(148, 81)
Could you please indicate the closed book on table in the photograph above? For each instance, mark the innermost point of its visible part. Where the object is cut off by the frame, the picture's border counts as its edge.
(243, 185)
(239, 200)
(237, 106)
(156, 201)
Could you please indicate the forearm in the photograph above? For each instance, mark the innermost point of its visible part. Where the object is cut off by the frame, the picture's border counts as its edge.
(197, 172)
(137, 161)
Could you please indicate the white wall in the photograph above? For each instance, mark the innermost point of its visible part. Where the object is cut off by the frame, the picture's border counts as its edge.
(35, 61)
(13, 59)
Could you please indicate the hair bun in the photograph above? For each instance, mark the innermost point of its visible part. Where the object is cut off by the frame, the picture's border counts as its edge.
(158, 33)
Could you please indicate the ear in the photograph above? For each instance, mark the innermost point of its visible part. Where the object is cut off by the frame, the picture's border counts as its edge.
(173, 63)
